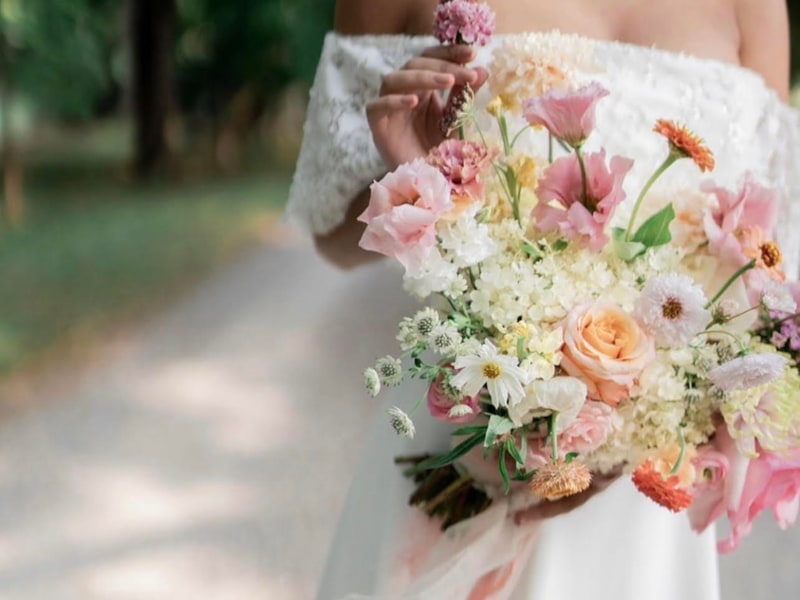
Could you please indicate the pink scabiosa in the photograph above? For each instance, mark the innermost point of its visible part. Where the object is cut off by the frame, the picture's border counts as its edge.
(448, 405)
(672, 308)
(462, 163)
(501, 375)
(567, 115)
(748, 371)
(463, 22)
(403, 210)
(562, 206)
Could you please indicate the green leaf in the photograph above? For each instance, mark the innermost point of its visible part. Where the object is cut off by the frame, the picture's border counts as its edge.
(504, 468)
(571, 456)
(560, 245)
(625, 250)
(523, 476)
(443, 460)
(497, 426)
(470, 430)
(514, 452)
(532, 251)
(655, 230)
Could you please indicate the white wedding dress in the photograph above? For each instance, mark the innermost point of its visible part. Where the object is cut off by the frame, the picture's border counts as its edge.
(619, 545)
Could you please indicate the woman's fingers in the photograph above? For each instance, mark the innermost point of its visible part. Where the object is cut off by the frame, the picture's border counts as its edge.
(386, 106)
(414, 81)
(458, 53)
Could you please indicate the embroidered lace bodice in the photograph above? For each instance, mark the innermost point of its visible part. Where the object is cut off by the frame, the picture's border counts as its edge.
(741, 119)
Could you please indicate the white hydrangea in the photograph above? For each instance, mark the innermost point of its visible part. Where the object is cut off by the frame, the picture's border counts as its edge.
(434, 276)
(465, 241)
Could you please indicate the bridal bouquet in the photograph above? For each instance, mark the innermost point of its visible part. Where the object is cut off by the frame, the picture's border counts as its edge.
(566, 335)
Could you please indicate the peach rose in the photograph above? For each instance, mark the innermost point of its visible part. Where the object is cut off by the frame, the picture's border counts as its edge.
(605, 347)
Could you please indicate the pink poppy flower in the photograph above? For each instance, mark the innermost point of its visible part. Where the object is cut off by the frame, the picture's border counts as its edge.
(403, 210)
(442, 405)
(462, 163)
(575, 218)
(744, 487)
(569, 116)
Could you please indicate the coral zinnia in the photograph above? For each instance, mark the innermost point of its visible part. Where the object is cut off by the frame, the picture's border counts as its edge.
(559, 480)
(686, 144)
(663, 490)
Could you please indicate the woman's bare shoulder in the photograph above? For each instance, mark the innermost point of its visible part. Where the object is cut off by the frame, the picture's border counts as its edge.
(355, 17)
(764, 40)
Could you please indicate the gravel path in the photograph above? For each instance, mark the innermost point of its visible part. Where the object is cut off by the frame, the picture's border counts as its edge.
(208, 459)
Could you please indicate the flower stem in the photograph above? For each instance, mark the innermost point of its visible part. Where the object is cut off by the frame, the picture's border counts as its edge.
(554, 437)
(653, 178)
(501, 121)
(682, 455)
(584, 183)
(550, 148)
(731, 281)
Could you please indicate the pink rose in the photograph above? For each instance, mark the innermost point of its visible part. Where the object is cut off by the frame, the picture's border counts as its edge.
(461, 162)
(752, 206)
(586, 433)
(566, 115)
(440, 405)
(605, 347)
(403, 210)
(578, 218)
(749, 486)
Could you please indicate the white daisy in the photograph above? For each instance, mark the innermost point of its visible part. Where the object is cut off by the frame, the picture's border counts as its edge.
(672, 308)
(372, 382)
(776, 297)
(401, 423)
(748, 371)
(500, 374)
(390, 370)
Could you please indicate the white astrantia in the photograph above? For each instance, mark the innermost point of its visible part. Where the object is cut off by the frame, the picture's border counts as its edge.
(748, 371)
(501, 375)
(390, 370)
(401, 422)
(425, 321)
(407, 335)
(460, 410)
(564, 395)
(775, 296)
(444, 338)
(372, 381)
(672, 308)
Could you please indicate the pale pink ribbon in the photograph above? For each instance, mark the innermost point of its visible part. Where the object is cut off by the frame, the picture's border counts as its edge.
(478, 559)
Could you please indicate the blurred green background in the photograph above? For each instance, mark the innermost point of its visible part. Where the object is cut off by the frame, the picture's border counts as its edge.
(144, 142)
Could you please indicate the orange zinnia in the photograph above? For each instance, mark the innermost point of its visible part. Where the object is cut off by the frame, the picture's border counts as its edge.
(685, 143)
(662, 490)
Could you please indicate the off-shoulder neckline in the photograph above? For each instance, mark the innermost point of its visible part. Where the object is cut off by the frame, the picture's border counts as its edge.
(651, 50)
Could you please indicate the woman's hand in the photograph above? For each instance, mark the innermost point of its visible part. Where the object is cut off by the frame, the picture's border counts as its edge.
(405, 119)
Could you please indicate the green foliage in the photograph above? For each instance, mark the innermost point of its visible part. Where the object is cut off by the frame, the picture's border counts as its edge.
(62, 53)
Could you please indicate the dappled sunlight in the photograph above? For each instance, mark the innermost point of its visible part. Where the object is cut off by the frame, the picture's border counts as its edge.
(241, 414)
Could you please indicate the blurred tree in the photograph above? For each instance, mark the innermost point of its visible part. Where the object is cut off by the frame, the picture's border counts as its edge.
(152, 36)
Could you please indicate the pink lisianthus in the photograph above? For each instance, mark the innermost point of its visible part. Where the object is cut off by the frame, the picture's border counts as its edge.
(574, 217)
(444, 407)
(462, 163)
(403, 210)
(753, 206)
(748, 487)
(463, 22)
(569, 116)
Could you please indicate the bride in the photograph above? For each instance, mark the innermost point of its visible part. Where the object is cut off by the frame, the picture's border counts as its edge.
(721, 66)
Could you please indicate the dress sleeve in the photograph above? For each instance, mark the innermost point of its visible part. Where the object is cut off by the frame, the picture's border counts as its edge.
(337, 157)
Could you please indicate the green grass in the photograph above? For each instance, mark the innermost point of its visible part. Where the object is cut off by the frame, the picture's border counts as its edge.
(94, 251)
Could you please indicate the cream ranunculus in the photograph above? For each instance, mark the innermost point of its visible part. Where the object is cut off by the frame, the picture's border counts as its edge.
(564, 395)
(605, 347)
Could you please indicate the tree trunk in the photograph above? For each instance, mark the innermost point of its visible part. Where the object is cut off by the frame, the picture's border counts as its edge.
(152, 35)
(12, 168)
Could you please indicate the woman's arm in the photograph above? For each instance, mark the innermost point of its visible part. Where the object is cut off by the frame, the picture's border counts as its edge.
(404, 119)
(764, 43)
